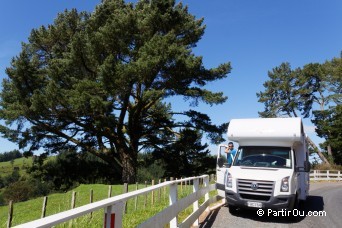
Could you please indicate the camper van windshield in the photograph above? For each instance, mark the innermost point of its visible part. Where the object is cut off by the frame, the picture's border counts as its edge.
(261, 156)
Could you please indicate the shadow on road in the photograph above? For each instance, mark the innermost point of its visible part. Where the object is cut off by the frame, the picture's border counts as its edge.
(210, 219)
(313, 203)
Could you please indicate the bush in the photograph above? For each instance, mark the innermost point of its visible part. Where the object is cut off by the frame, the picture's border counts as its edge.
(153, 171)
(18, 191)
(70, 168)
(11, 178)
(2, 201)
(2, 182)
(327, 167)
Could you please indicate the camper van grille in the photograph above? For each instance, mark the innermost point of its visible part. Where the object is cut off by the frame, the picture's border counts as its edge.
(255, 189)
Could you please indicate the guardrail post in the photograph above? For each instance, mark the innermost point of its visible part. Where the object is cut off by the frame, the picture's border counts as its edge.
(195, 204)
(159, 191)
(206, 184)
(173, 200)
(152, 194)
(113, 215)
(145, 202)
(136, 198)
(109, 218)
(125, 190)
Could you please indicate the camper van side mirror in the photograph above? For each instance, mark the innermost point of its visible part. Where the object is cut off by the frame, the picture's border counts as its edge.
(220, 161)
(307, 166)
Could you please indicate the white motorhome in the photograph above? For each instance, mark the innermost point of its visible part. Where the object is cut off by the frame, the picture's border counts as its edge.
(271, 167)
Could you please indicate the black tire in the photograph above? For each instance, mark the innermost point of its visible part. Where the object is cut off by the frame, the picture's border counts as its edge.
(297, 206)
(232, 209)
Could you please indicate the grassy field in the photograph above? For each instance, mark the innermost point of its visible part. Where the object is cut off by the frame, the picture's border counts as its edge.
(6, 168)
(31, 210)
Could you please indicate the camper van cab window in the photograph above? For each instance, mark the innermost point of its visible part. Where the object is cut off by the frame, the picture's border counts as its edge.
(262, 156)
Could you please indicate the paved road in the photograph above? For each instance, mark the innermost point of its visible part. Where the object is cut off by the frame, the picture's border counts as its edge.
(325, 201)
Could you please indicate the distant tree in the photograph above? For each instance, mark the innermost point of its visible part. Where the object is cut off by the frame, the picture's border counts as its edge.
(11, 178)
(292, 92)
(18, 191)
(186, 156)
(70, 168)
(333, 70)
(149, 167)
(311, 91)
(154, 171)
(97, 82)
(329, 125)
(281, 97)
(11, 155)
(2, 183)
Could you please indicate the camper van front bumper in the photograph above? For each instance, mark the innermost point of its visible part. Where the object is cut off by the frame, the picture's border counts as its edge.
(278, 202)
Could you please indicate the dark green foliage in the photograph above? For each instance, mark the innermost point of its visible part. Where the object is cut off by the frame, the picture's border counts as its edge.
(11, 155)
(280, 96)
(13, 177)
(186, 156)
(313, 91)
(291, 92)
(329, 125)
(149, 168)
(25, 189)
(2, 182)
(70, 169)
(18, 191)
(97, 83)
(2, 201)
(155, 171)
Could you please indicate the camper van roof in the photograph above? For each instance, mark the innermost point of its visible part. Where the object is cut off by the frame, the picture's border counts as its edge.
(265, 130)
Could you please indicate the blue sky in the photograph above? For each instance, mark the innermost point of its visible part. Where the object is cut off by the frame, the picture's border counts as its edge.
(255, 36)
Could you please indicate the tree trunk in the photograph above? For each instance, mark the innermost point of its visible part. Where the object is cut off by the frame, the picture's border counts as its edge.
(313, 145)
(129, 168)
(329, 150)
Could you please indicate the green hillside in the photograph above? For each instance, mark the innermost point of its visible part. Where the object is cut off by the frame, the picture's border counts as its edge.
(21, 164)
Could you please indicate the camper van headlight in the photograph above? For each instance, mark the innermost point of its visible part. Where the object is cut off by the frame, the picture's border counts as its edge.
(284, 187)
(229, 182)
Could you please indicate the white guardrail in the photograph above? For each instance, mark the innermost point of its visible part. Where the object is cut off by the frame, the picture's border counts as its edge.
(115, 207)
(330, 175)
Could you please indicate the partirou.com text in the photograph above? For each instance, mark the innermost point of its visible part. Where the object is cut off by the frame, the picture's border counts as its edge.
(285, 212)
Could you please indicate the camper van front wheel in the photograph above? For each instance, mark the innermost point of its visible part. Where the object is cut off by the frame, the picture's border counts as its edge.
(232, 209)
(296, 203)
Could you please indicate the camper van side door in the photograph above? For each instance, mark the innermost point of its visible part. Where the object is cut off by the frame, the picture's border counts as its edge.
(221, 170)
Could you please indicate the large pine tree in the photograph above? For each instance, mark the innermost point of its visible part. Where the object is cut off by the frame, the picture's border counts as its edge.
(97, 82)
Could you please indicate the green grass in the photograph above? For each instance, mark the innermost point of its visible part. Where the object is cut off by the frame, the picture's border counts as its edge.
(30, 210)
(6, 168)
